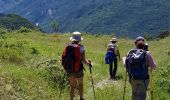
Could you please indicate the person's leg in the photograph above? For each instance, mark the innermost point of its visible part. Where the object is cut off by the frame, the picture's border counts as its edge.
(115, 68)
(111, 69)
(80, 83)
(143, 89)
(72, 86)
(135, 89)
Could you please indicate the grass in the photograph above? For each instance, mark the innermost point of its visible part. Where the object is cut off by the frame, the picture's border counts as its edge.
(22, 78)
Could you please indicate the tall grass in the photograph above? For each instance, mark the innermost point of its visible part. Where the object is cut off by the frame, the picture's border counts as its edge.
(28, 72)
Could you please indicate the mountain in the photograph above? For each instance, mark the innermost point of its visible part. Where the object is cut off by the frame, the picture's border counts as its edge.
(123, 17)
(14, 22)
(7, 4)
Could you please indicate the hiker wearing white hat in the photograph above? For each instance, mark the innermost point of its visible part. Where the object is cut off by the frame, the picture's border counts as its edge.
(72, 59)
(76, 36)
(113, 40)
(113, 47)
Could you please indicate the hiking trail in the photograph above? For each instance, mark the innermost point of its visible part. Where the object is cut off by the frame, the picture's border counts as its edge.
(108, 83)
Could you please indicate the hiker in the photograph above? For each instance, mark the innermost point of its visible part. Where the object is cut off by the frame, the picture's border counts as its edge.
(72, 59)
(137, 63)
(111, 57)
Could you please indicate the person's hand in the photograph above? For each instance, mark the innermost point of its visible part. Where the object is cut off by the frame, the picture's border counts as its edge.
(124, 59)
(89, 61)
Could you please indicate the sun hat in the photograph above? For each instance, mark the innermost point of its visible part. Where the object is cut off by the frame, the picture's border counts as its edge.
(113, 40)
(76, 36)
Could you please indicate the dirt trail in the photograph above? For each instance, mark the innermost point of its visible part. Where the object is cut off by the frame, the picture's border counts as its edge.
(108, 83)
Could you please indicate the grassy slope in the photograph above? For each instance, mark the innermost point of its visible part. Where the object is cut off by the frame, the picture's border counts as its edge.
(19, 77)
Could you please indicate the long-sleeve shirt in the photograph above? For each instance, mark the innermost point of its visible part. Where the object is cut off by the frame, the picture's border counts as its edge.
(151, 63)
(150, 60)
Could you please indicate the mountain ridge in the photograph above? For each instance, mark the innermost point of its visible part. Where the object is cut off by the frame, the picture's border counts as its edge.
(122, 17)
(15, 22)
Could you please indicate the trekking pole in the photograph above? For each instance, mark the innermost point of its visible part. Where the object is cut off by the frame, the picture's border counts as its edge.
(124, 86)
(90, 66)
(151, 91)
(61, 88)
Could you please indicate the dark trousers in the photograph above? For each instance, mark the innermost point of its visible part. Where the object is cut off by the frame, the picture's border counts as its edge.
(113, 71)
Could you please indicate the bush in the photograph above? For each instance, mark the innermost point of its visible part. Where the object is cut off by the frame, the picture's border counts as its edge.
(163, 34)
(12, 56)
(53, 72)
(34, 51)
(148, 36)
(3, 31)
(24, 30)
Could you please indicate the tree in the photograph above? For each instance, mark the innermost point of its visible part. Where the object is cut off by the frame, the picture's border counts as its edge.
(55, 25)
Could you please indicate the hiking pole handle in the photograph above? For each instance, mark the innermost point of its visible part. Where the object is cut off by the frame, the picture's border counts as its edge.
(151, 89)
(124, 91)
(90, 66)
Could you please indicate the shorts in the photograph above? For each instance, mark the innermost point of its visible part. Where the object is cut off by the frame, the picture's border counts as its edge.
(76, 75)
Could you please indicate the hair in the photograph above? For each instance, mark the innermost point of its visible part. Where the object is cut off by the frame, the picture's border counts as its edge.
(76, 42)
(113, 41)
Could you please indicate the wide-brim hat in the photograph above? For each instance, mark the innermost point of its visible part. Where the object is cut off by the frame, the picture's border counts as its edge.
(76, 36)
(113, 40)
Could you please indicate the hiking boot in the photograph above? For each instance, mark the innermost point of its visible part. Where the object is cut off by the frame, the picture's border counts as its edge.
(82, 99)
(113, 77)
(110, 78)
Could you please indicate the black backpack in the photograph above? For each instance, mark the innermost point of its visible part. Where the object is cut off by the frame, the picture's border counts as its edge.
(136, 64)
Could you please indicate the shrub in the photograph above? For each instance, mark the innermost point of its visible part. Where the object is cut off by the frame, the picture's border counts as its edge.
(34, 51)
(3, 31)
(163, 34)
(148, 36)
(52, 71)
(11, 55)
(24, 30)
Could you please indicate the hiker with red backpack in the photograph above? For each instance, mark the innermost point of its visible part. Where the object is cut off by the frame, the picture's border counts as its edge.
(73, 58)
(111, 57)
(137, 63)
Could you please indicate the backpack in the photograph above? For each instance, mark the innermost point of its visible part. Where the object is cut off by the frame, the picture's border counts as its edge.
(71, 58)
(136, 64)
(109, 57)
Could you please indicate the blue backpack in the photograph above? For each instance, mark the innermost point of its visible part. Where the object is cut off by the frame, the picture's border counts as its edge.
(136, 64)
(109, 57)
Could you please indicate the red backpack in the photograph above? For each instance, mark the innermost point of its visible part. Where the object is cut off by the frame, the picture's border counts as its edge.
(71, 58)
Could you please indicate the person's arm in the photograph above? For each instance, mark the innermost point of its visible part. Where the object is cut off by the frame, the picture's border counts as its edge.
(85, 61)
(151, 62)
(124, 61)
(118, 53)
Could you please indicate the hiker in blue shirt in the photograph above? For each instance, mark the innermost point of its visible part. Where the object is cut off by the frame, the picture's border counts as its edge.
(111, 57)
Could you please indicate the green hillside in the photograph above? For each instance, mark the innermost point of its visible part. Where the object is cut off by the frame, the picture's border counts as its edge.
(14, 22)
(123, 17)
(30, 67)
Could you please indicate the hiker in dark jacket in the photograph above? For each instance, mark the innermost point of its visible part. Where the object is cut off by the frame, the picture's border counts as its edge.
(77, 77)
(138, 68)
(113, 47)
